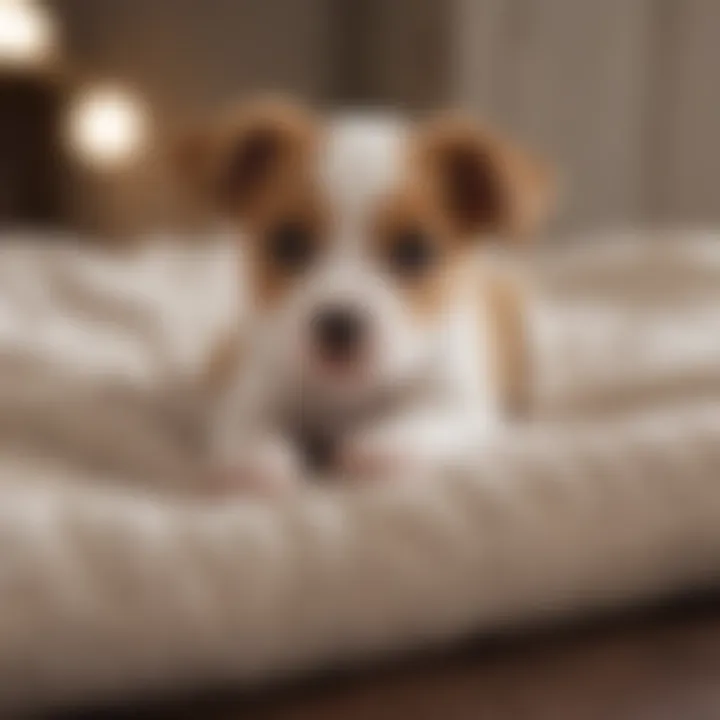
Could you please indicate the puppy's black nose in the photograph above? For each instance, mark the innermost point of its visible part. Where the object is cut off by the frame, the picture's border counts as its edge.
(338, 332)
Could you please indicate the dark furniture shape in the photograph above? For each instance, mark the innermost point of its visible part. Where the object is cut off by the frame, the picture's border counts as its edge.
(32, 166)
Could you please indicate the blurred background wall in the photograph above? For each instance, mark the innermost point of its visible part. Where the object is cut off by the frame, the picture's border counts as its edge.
(620, 93)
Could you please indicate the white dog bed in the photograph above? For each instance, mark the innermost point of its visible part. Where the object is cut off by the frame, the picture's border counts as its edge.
(110, 581)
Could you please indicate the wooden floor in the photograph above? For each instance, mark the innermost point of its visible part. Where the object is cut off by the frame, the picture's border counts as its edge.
(657, 665)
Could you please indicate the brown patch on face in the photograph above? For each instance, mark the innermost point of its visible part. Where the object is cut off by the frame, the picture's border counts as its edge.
(417, 211)
(283, 242)
(461, 181)
(256, 166)
(415, 246)
(283, 215)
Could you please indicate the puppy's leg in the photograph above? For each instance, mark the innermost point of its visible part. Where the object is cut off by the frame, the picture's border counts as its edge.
(264, 464)
(246, 454)
(414, 444)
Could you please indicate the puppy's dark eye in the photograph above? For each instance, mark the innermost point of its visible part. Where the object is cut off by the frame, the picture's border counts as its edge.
(412, 252)
(291, 245)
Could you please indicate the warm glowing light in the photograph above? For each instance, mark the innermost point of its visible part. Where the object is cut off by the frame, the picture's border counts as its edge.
(107, 127)
(27, 34)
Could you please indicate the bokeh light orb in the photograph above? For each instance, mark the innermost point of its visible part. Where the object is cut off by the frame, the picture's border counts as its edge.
(107, 127)
(27, 33)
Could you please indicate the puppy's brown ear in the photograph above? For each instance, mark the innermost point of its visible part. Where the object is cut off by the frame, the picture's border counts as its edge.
(485, 183)
(233, 161)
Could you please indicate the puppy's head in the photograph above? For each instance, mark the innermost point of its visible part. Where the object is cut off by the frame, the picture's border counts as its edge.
(354, 232)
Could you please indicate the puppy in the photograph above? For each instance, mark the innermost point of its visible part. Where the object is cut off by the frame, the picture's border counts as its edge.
(376, 338)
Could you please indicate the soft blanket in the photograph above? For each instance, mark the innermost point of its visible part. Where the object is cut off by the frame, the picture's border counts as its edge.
(117, 576)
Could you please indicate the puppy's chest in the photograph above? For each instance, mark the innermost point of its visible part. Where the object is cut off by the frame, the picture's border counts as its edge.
(320, 428)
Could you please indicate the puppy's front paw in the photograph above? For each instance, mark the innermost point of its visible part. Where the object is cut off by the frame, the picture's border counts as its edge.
(380, 456)
(268, 467)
